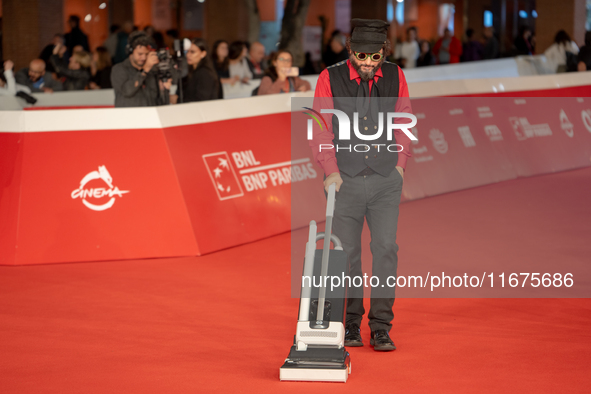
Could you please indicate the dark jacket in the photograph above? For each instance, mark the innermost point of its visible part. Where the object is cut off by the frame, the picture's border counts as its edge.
(75, 79)
(425, 59)
(132, 87)
(76, 37)
(103, 78)
(257, 73)
(22, 77)
(491, 48)
(201, 84)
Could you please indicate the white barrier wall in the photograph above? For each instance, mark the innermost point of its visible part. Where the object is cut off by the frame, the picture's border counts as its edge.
(491, 76)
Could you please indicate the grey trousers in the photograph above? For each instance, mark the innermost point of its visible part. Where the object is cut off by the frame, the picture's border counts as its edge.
(375, 198)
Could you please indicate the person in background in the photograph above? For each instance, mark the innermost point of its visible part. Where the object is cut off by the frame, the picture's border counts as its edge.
(48, 50)
(149, 30)
(329, 56)
(158, 38)
(76, 73)
(426, 57)
(7, 82)
(337, 52)
(100, 69)
(309, 67)
(562, 54)
(122, 40)
(169, 37)
(256, 55)
(584, 58)
(447, 49)
(473, 49)
(523, 42)
(8, 85)
(202, 82)
(221, 62)
(277, 79)
(37, 79)
(238, 66)
(111, 41)
(409, 50)
(491, 44)
(76, 36)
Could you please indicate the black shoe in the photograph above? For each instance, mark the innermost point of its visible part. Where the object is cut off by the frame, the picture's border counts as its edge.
(353, 336)
(380, 340)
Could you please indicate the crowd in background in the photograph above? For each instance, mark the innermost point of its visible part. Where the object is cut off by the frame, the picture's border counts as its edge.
(67, 63)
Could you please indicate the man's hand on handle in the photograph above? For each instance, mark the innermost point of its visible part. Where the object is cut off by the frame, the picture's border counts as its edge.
(335, 178)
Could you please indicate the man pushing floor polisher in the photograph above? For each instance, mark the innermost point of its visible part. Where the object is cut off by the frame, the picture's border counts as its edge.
(369, 186)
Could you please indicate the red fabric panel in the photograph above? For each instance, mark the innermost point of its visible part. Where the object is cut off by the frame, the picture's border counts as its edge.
(147, 219)
(11, 158)
(228, 202)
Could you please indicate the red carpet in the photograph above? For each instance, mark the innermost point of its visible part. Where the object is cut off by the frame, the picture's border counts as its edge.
(223, 323)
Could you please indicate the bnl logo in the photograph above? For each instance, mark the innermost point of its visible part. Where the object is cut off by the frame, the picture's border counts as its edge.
(345, 128)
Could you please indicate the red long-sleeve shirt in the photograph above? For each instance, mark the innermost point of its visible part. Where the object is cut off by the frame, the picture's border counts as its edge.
(326, 159)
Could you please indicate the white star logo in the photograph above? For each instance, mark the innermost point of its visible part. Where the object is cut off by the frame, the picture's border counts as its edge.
(217, 172)
(224, 163)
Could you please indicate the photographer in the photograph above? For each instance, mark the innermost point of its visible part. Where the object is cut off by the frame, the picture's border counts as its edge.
(136, 80)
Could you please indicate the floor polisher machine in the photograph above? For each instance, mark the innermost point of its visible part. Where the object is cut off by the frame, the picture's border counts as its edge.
(318, 352)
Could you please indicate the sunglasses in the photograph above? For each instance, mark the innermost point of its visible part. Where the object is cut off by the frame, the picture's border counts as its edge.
(375, 57)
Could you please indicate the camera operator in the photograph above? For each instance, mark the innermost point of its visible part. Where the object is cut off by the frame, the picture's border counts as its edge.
(138, 80)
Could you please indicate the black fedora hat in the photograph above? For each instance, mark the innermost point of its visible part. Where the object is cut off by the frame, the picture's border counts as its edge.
(369, 35)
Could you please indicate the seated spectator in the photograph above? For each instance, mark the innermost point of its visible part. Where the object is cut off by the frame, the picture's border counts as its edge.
(8, 85)
(37, 79)
(562, 54)
(584, 58)
(48, 50)
(202, 82)
(237, 65)
(221, 62)
(473, 50)
(76, 73)
(447, 49)
(100, 69)
(255, 58)
(426, 58)
(277, 79)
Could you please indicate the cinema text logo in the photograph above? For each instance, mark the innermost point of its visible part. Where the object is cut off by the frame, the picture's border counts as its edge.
(345, 130)
(96, 193)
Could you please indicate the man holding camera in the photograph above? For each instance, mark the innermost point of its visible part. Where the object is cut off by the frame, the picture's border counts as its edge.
(135, 80)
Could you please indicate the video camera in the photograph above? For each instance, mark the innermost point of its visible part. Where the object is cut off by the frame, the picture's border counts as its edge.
(164, 64)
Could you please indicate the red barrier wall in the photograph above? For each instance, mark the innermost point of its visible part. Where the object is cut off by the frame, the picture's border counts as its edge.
(209, 184)
(91, 195)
